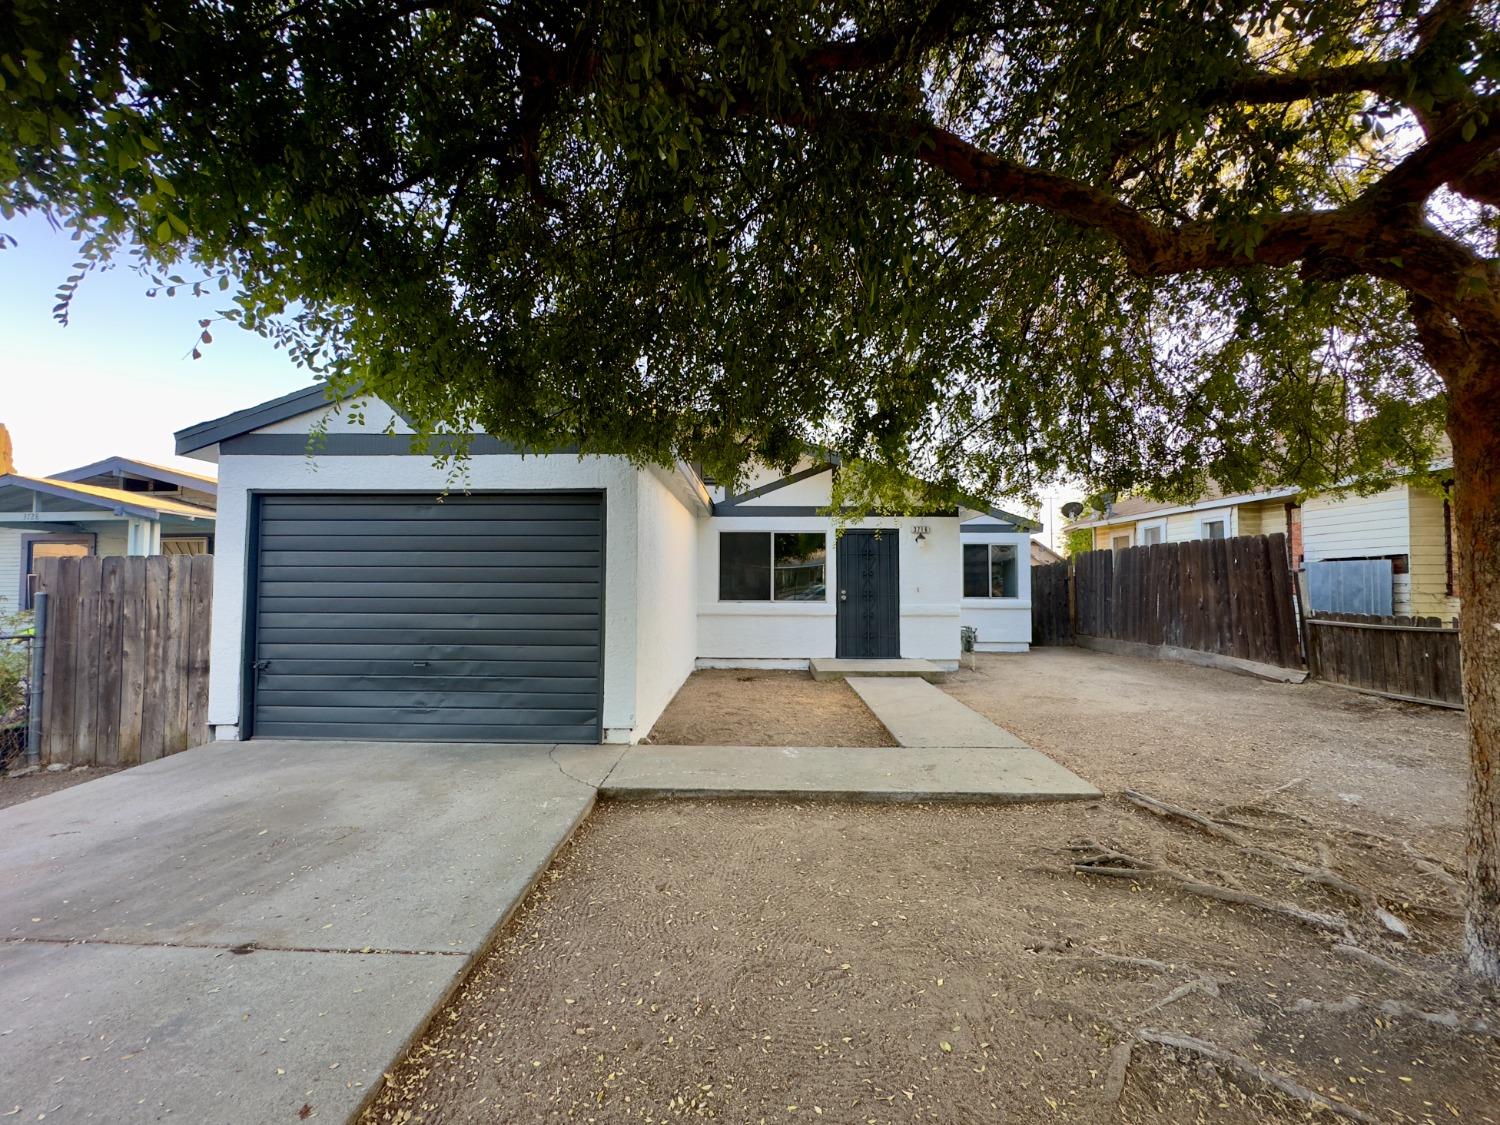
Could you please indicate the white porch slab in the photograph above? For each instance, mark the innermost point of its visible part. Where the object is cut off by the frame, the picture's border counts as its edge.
(830, 668)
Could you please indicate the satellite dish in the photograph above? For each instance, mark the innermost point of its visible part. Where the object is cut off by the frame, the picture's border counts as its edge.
(1072, 509)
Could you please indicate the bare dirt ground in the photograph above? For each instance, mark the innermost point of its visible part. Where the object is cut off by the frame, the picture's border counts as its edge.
(781, 963)
(734, 707)
(14, 790)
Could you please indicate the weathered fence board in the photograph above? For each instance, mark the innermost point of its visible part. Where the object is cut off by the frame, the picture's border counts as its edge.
(1232, 597)
(1051, 615)
(1411, 658)
(127, 658)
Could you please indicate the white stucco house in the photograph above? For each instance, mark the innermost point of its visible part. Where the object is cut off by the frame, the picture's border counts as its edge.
(362, 593)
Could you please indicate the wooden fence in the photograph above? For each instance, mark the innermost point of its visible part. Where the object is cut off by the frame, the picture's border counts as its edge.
(125, 674)
(1412, 658)
(1051, 604)
(1230, 597)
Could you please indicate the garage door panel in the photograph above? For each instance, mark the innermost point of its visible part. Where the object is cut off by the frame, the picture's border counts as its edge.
(535, 507)
(349, 730)
(453, 617)
(476, 619)
(414, 556)
(414, 593)
(421, 680)
(436, 633)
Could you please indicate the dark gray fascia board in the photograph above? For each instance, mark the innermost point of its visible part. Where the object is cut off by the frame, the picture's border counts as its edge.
(368, 445)
(141, 469)
(810, 510)
(240, 422)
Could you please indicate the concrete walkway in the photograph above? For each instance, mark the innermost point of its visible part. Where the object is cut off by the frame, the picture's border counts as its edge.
(996, 775)
(918, 714)
(948, 752)
(238, 931)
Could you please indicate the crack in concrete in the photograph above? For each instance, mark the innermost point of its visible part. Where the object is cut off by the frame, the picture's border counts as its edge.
(552, 753)
(244, 947)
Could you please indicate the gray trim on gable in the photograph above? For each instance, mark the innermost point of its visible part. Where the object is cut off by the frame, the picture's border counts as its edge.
(730, 502)
(140, 469)
(367, 445)
(997, 528)
(240, 422)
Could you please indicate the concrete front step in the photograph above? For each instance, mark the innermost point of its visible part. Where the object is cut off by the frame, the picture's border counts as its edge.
(830, 668)
(981, 775)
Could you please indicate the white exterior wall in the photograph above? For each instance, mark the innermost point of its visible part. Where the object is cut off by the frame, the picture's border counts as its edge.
(1004, 624)
(790, 633)
(10, 571)
(666, 631)
(238, 475)
(1356, 527)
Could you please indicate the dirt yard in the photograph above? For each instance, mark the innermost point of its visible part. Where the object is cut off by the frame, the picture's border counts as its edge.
(732, 707)
(14, 790)
(780, 963)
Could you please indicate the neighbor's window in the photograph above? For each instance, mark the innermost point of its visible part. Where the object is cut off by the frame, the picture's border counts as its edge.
(990, 570)
(783, 566)
(1216, 528)
(1120, 543)
(1152, 533)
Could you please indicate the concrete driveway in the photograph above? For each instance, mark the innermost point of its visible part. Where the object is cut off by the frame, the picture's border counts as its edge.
(253, 932)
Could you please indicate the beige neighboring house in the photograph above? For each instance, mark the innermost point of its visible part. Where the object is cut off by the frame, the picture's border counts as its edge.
(1408, 525)
(118, 506)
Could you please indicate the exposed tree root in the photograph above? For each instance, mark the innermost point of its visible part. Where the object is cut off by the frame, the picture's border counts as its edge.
(1118, 865)
(1206, 985)
(1365, 957)
(1245, 1069)
(1323, 874)
(1400, 1009)
(1119, 1070)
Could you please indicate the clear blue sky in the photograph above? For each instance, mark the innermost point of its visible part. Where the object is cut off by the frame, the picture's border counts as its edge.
(119, 379)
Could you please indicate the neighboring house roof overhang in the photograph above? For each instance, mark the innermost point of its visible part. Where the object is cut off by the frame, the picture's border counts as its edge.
(211, 433)
(128, 466)
(1147, 514)
(92, 499)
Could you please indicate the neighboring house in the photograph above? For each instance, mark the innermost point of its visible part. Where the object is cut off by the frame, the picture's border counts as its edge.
(1043, 555)
(1390, 552)
(112, 507)
(547, 597)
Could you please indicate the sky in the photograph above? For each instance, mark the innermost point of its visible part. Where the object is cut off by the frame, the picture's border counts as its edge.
(119, 379)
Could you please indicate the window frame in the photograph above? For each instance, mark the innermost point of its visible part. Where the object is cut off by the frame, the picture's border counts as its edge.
(88, 539)
(1217, 517)
(1151, 525)
(1115, 536)
(770, 596)
(989, 557)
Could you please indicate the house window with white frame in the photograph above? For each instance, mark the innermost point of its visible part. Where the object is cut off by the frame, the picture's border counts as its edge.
(1153, 533)
(991, 570)
(765, 566)
(1214, 526)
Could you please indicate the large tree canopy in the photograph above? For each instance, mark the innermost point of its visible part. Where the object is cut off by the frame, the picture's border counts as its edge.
(1142, 243)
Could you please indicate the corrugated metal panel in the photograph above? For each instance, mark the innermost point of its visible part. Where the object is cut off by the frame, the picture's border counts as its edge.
(1350, 586)
(399, 617)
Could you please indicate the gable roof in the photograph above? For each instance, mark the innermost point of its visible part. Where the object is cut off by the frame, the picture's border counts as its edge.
(142, 504)
(215, 430)
(130, 466)
(1133, 508)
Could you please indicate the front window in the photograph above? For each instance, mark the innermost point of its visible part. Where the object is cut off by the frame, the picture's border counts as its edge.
(991, 570)
(1216, 528)
(783, 566)
(1153, 533)
(50, 547)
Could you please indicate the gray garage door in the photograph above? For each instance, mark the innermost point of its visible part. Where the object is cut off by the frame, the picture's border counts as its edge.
(402, 617)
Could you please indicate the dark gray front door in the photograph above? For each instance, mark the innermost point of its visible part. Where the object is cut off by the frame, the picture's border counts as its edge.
(402, 617)
(869, 613)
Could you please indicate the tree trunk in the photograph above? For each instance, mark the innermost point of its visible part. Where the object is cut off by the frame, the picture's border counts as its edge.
(1474, 427)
